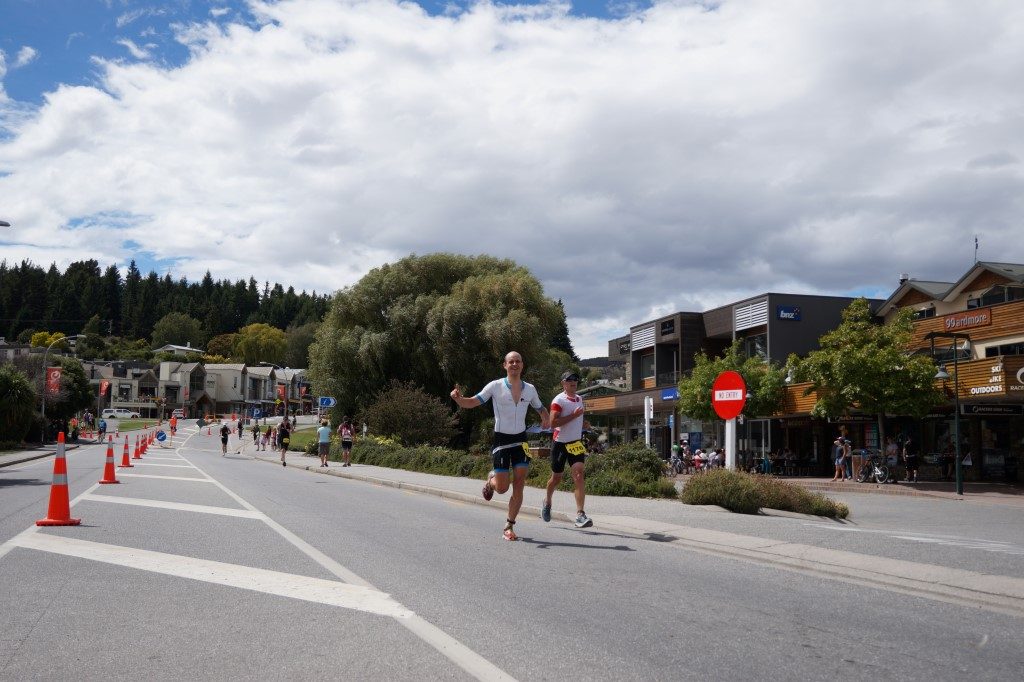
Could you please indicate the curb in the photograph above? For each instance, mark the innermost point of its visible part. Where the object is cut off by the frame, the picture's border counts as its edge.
(39, 455)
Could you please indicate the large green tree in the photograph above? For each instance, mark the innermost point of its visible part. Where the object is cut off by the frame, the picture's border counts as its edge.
(765, 384)
(260, 342)
(862, 365)
(434, 320)
(178, 329)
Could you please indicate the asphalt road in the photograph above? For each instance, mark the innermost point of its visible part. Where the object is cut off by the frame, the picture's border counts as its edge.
(282, 574)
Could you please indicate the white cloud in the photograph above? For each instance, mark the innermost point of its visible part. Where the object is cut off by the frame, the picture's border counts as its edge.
(135, 50)
(217, 12)
(677, 158)
(25, 56)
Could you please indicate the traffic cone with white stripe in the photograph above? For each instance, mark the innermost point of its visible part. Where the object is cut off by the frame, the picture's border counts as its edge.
(108, 470)
(136, 453)
(59, 513)
(126, 462)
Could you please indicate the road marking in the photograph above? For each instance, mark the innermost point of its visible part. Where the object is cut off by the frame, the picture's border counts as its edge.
(168, 459)
(120, 473)
(449, 647)
(180, 506)
(154, 464)
(301, 587)
(994, 546)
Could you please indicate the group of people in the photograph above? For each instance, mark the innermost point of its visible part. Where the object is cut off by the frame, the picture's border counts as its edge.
(510, 399)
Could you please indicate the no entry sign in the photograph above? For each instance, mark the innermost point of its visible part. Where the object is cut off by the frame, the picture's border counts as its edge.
(728, 394)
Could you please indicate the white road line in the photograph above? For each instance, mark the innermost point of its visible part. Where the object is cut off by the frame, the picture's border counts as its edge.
(449, 647)
(289, 585)
(933, 539)
(180, 506)
(155, 464)
(120, 473)
(168, 459)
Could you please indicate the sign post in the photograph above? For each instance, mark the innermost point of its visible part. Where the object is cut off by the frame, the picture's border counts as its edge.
(728, 396)
(648, 416)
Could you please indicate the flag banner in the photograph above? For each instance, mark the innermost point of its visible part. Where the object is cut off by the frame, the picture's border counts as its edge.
(104, 387)
(53, 380)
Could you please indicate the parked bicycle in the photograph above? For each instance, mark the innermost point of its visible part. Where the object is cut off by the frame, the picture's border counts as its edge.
(874, 469)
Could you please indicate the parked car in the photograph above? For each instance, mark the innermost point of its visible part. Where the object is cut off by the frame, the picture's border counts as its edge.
(119, 413)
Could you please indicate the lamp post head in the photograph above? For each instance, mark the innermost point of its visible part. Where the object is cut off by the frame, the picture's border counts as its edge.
(942, 373)
(4, 223)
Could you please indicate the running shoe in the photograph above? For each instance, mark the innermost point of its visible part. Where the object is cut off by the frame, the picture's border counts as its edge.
(488, 491)
(509, 534)
(583, 521)
(545, 512)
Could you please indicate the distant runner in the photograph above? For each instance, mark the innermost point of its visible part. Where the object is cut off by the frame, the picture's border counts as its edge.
(567, 446)
(324, 437)
(224, 433)
(510, 397)
(347, 434)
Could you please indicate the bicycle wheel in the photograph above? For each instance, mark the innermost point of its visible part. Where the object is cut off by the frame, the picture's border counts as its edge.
(881, 474)
(862, 475)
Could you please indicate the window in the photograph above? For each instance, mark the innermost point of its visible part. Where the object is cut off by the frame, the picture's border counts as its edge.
(124, 392)
(998, 294)
(647, 365)
(756, 346)
(1005, 349)
(926, 312)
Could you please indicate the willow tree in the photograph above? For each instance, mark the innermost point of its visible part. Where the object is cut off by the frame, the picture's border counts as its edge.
(435, 321)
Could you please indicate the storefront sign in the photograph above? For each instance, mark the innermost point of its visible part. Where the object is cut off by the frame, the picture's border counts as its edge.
(967, 320)
(670, 394)
(993, 410)
(788, 312)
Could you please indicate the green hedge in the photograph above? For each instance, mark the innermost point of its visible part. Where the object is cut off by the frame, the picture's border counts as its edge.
(748, 493)
(624, 471)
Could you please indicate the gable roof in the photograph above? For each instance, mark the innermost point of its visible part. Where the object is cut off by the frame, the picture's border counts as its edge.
(935, 290)
(1011, 271)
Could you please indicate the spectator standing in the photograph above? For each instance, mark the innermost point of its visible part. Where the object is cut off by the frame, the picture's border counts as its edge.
(910, 455)
(838, 453)
(324, 438)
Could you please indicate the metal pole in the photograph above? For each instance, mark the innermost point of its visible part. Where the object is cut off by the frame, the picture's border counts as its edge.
(42, 407)
(730, 444)
(956, 421)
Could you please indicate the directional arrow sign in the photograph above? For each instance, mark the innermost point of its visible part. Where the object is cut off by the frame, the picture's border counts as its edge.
(326, 401)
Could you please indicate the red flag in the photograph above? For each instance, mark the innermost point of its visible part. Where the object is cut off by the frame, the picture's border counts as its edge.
(53, 380)
(280, 391)
(302, 390)
(104, 387)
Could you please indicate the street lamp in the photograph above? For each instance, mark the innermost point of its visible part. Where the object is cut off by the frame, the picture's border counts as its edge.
(942, 374)
(4, 223)
(42, 405)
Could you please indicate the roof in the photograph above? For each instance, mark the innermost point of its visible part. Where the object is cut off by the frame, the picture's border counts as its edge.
(184, 349)
(238, 367)
(930, 289)
(260, 371)
(1011, 271)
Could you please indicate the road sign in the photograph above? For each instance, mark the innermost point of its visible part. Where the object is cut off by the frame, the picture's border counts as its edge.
(161, 436)
(728, 394)
(327, 401)
(257, 414)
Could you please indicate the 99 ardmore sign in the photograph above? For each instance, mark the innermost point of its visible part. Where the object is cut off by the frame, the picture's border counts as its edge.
(967, 320)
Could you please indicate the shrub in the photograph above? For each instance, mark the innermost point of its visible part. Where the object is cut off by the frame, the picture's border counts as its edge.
(17, 404)
(410, 415)
(736, 491)
(746, 494)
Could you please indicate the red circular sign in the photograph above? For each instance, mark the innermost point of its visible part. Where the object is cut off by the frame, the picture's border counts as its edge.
(728, 394)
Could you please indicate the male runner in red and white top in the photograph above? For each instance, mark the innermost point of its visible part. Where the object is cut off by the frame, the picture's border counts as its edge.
(511, 397)
(567, 446)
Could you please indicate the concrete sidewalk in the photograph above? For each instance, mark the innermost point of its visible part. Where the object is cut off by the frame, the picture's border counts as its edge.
(673, 523)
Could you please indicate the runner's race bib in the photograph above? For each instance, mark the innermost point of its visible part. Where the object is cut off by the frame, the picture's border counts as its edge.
(526, 450)
(576, 448)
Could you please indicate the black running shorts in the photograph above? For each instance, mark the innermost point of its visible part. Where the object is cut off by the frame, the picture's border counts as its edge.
(510, 451)
(560, 455)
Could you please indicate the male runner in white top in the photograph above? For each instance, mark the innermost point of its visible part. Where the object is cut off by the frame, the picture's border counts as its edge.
(567, 446)
(511, 398)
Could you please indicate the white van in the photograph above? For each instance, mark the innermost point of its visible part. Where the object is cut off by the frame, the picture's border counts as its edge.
(119, 413)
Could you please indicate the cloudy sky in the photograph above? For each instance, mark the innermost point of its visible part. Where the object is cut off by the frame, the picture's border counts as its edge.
(639, 157)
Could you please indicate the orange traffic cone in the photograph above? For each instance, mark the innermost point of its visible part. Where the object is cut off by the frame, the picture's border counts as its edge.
(136, 454)
(126, 462)
(59, 513)
(108, 470)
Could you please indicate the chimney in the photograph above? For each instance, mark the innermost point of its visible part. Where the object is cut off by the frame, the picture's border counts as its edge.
(904, 277)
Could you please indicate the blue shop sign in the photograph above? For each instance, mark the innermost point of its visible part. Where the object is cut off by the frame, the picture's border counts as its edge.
(788, 312)
(670, 394)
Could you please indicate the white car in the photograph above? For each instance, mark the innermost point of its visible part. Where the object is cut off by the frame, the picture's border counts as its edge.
(119, 413)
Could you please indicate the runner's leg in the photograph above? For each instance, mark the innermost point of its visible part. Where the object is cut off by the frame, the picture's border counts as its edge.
(518, 483)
